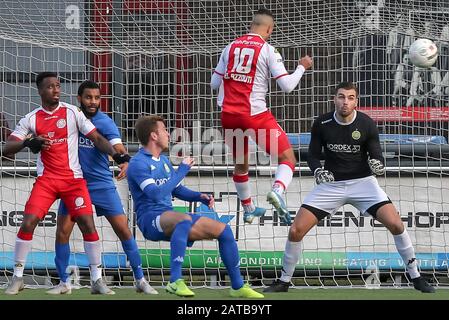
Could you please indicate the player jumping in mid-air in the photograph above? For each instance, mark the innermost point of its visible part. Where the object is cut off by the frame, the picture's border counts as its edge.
(153, 181)
(52, 130)
(352, 155)
(102, 190)
(243, 72)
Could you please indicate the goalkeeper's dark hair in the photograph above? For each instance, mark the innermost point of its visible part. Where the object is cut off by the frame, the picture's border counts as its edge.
(41, 76)
(145, 125)
(347, 86)
(88, 84)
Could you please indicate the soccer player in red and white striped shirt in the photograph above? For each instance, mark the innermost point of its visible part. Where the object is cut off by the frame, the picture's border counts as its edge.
(52, 131)
(243, 75)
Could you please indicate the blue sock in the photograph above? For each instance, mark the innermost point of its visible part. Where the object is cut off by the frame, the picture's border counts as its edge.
(229, 253)
(132, 252)
(62, 260)
(178, 244)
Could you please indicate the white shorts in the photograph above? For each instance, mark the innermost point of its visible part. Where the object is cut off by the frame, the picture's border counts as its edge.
(362, 193)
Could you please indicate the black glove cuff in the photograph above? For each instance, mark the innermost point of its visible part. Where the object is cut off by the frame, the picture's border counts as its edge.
(121, 158)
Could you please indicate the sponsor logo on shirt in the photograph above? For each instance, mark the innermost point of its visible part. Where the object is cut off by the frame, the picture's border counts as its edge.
(346, 148)
(86, 142)
(51, 134)
(160, 181)
(249, 43)
(59, 141)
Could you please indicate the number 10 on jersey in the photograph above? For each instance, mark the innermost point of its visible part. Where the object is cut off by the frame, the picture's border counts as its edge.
(243, 59)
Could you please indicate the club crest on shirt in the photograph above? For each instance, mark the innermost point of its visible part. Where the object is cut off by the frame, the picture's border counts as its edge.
(356, 134)
(61, 123)
(167, 168)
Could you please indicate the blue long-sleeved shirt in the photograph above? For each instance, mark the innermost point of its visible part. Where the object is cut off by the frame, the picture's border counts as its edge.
(153, 181)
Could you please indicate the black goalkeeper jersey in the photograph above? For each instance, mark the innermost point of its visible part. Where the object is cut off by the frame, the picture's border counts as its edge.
(346, 146)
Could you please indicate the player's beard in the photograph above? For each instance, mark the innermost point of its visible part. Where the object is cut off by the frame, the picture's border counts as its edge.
(87, 113)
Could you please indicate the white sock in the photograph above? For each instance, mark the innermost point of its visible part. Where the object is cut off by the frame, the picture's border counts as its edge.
(291, 257)
(21, 250)
(241, 182)
(93, 252)
(405, 249)
(282, 179)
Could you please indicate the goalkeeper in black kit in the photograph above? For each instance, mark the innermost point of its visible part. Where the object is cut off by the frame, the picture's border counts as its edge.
(352, 155)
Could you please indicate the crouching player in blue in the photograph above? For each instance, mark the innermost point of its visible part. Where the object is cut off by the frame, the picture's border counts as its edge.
(95, 166)
(153, 181)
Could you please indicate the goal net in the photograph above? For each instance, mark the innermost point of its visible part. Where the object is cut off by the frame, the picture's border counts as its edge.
(156, 57)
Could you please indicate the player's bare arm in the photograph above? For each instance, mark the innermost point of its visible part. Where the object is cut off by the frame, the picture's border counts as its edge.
(104, 146)
(35, 144)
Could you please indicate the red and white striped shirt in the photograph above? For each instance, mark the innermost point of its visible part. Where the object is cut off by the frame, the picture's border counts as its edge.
(245, 65)
(62, 127)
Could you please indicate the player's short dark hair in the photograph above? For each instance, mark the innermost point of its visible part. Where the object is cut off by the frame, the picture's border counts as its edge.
(41, 76)
(265, 12)
(145, 125)
(88, 84)
(347, 86)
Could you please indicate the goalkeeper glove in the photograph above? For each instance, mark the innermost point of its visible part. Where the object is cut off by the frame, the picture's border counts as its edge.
(121, 158)
(322, 175)
(34, 144)
(376, 167)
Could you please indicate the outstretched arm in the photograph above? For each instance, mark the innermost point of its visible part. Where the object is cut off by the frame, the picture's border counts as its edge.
(184, 193)
(287, 82)
(101, 143)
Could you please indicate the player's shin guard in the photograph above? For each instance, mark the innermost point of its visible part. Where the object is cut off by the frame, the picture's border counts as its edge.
(241, 182)
(93, 251)
(229, 253)
(21, 250)
(405, 249)
(283, 177)
(290, 259)
(62, 258)
(178, 244)
(132, 252)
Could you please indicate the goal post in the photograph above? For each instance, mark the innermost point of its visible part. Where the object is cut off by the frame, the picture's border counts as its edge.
(156, 57)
